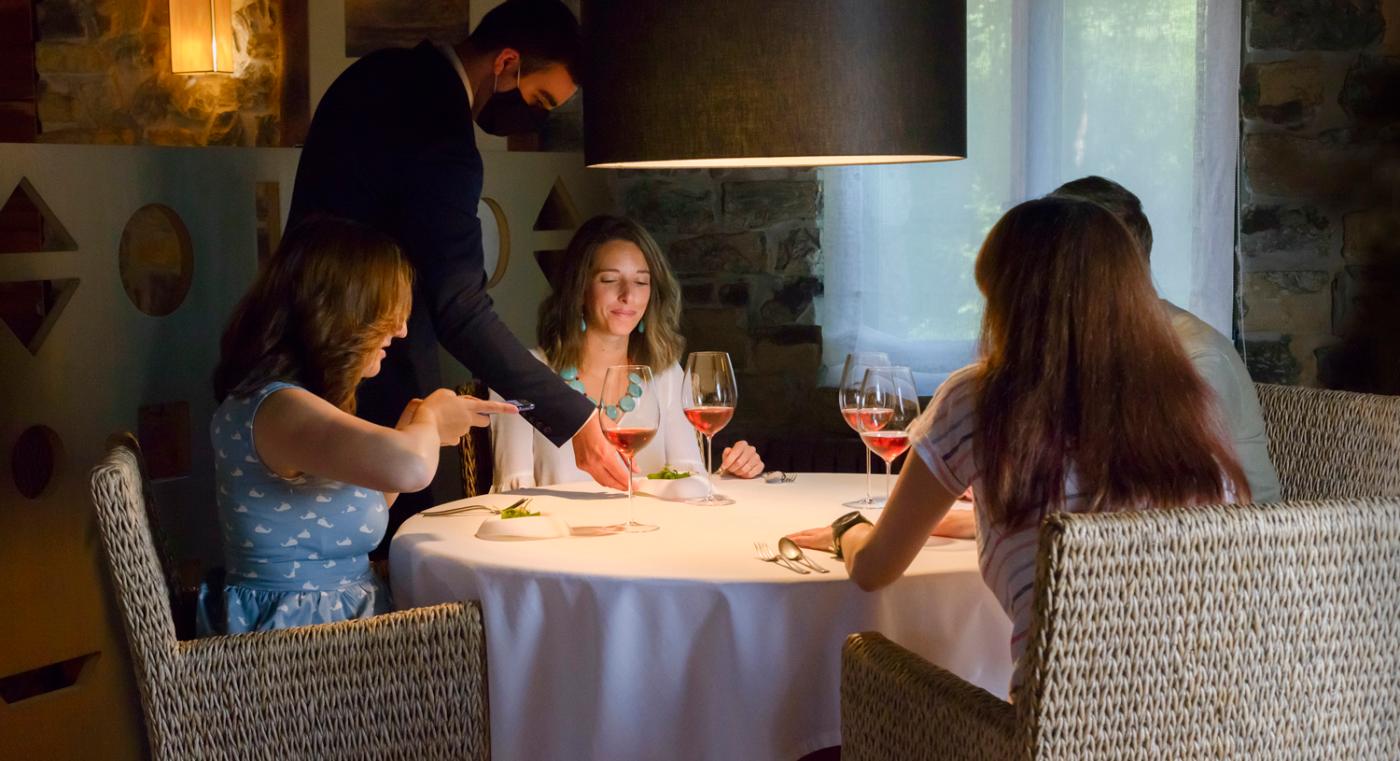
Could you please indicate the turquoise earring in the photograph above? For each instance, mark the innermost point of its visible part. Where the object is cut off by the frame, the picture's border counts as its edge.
(642, 326)
(582, 325)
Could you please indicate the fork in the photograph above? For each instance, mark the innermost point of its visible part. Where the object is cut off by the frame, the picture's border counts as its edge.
(462, 509)
(766, 554)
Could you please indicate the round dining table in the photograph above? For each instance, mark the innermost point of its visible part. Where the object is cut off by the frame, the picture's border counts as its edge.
(681, 643)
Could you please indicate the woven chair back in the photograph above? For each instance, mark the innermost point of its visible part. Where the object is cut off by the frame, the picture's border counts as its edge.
(474, 450)
(1332, 444)
(119, 493)
(1247, 632)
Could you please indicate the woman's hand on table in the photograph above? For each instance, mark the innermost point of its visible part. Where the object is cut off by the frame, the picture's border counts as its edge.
(813, 538)
(741, 460)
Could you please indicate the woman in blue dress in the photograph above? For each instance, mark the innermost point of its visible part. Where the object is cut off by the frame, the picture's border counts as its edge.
(304, 486)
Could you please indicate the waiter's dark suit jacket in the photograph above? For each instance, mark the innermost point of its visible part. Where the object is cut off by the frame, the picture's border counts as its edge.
(392, 145)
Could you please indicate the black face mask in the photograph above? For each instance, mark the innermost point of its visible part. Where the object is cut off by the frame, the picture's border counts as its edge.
(507, 113)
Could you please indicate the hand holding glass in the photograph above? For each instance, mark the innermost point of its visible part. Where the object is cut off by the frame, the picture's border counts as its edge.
(629, 415)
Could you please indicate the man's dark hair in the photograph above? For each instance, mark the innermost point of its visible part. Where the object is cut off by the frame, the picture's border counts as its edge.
(544, 32)
(1115, 198)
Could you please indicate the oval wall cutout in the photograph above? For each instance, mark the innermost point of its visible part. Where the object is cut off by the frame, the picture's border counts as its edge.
(495, 239)
(156, 259)
(34, 460)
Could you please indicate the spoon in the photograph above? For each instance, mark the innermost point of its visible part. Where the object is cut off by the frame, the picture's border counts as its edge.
(792, 552)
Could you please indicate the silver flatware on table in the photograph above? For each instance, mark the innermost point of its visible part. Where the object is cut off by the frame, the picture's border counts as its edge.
(791, 551)
(779, 477)
(766, 554)
(464, 509)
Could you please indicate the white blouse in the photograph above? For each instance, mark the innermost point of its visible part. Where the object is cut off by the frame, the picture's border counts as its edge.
(525, 458)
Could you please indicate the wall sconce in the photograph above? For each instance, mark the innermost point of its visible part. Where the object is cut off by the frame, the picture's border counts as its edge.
(201, 36)
(729, 83)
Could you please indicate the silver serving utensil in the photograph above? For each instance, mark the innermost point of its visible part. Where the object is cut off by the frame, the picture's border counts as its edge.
(779, 477)
(766, 554)
(791, 551)
(464, 509)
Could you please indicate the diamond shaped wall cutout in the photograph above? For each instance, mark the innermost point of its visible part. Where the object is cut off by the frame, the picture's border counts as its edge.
(559, 211)
(31, 307)
(45, 679)
(27, 224)
(551, 262)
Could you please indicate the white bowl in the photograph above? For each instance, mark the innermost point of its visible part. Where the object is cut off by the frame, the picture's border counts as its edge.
(531, 527)
(676, 489)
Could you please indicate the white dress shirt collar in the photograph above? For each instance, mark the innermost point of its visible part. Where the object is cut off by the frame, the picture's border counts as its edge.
(456, 61)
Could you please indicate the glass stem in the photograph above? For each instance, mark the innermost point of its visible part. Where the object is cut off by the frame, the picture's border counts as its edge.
(631, 507)
(868, 498)
(887, 481)
(710, 464)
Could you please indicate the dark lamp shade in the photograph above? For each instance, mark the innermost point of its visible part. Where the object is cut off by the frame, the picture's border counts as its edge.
(743, 83)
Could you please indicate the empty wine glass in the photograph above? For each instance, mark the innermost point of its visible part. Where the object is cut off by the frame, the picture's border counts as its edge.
(709, 396)
(629, 415)
(848, 396)
(889, 404)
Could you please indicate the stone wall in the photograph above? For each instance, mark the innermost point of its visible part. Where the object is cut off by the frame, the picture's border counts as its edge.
(746, 246)
(104, 77)
(1320, 197)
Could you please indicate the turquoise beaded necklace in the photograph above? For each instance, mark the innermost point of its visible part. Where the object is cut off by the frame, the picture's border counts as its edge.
(625, 404)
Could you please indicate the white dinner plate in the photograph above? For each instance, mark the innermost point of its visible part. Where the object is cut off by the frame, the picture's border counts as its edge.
(531, 527)
(673, 489)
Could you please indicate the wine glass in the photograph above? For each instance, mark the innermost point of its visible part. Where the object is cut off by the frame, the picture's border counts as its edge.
(710, 394)
(848, 396)
(889, 404)
(629, 415)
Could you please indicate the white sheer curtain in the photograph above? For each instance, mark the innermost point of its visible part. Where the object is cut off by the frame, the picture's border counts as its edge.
(1142, 93)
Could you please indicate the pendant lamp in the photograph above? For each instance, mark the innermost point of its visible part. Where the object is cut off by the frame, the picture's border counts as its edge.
(201, 36)
(750, 83)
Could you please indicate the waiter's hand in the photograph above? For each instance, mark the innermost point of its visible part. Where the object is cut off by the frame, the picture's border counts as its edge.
(596, 457)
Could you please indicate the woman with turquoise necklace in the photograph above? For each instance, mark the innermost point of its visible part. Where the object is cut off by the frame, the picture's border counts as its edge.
(615, 302)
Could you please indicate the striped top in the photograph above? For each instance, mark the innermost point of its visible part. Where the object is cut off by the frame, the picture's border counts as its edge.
(944, 438)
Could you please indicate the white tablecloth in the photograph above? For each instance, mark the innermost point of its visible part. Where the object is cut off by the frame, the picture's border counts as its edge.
(678, 643)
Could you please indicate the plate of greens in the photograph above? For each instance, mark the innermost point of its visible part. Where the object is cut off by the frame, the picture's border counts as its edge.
(519, 522)
(671, 483)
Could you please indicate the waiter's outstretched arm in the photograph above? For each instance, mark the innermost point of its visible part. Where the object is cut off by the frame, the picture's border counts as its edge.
(443, 235)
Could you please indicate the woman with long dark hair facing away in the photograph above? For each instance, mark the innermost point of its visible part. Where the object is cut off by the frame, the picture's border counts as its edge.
(1082, 400)
(304, 486)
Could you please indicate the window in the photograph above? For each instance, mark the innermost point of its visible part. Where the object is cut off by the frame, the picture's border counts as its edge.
(1057, 89)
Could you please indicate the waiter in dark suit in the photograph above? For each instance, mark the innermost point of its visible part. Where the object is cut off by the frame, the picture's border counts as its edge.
(392, 145)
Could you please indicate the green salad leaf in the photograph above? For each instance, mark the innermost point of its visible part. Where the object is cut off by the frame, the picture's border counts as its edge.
(520, 509)
(668, 474)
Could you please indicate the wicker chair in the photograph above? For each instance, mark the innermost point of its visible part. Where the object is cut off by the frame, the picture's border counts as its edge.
(474, 450)
(1221, 632)
(1332, 444)
(409, 684)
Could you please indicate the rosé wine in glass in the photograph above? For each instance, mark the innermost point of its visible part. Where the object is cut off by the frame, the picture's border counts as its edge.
(710, 395)
(629, 416)
(849, 398)
(629, 441)
(709, 420)
(889, 404)
(887, 445)
(866, 419)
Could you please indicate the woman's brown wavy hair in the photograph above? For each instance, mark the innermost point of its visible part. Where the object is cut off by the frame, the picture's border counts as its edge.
(1081, 370)
(317, 311)
(561, 311)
